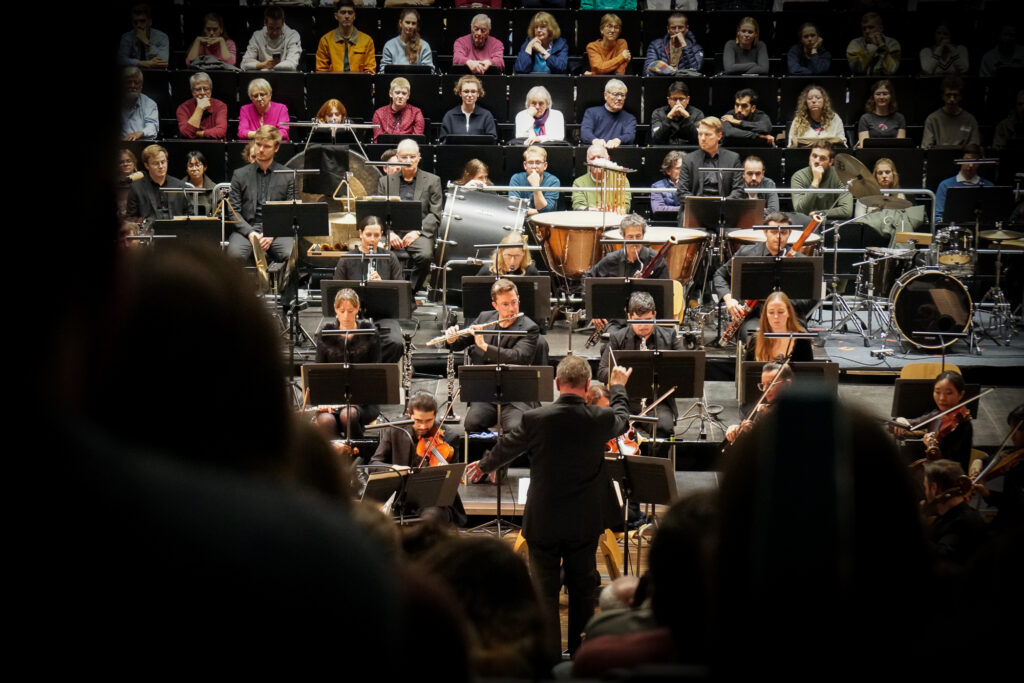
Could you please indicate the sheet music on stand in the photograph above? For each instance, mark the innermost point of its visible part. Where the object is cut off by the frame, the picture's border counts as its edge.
(711, 212)
(755, 277)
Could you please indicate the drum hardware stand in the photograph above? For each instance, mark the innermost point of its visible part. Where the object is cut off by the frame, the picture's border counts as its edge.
(707, 414)
(836, 300)
(572, 317)
(1000, 328)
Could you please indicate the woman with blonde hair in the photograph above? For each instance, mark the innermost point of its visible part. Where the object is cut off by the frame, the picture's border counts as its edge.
(815, 119)
(609, 54)
(511, 261)
(746, 54)
(544, 51)
(407, 47)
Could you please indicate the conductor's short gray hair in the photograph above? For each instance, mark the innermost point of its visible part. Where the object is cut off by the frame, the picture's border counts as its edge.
(574, 372)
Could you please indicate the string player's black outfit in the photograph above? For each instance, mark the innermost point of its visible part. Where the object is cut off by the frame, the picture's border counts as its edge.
(362, 348)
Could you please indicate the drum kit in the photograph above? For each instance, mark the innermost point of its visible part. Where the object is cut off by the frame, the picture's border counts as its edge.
(928, 303)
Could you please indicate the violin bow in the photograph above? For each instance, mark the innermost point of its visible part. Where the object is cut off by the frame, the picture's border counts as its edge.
(764, 394)
(922, 423)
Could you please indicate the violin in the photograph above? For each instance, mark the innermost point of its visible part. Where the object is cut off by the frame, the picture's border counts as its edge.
(433, 450)
(948, 425)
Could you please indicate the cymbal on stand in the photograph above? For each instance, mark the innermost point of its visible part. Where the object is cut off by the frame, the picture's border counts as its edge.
(856, 176)
(1000, 235)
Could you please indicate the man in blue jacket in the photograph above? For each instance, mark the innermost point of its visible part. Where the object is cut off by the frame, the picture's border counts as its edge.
(676, 52)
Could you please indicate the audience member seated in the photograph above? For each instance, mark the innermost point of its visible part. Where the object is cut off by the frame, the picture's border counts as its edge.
(346, 49)
(275, 46)
(676, 122)
(693, 181)
(479, 51)
(808, 57)
(544, 51)
(539, 123)
(967, 176)
(950, 125)
(753, 176)
(596, 155)
(195, 169)
(407, 47)
(128, 173)
(608, 4)
(609, 125)
(139, 117)
(252, 186)
(944, 58)
(746, 124)
(887, 177)
(474, 174)
(412, 183)
(610, 53)
(746, 54)
(677, 53)
(332, 111)
(1006, 53)
(511, 261)
(262, 112)
(249, 152)
(399, 117)
(535, 174)
(815, 120)
(477, 4)
(202, 116)
(779, 316)
(144, 46)
(670, 167)
(881, 117)
(214, 44)
(819, 173)
(146, 201)
(874, 53)
(1012, 127)
(347, 420)
(468, 118)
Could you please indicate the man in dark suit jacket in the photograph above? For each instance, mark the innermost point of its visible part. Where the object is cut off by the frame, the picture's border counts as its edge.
(253, 186)
(565, 442)
(709, 183)
(146, 199)
(411, 183)
(486, 349)
(643, 337)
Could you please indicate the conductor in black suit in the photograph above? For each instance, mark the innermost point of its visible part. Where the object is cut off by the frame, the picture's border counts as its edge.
(643, 338)
(693, 182)
(146, 200)
(563, 519)
(485, 348)
(253, 186)
(412, 183)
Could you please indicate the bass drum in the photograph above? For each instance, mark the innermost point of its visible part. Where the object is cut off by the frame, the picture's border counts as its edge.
(930, 300)
(474, 217)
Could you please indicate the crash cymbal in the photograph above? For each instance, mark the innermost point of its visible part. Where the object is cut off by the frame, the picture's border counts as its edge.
(886, 201)
(1000, 235)
(856, 176)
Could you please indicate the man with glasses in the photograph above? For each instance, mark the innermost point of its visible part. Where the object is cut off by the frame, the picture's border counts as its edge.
(768, 376)
(535, 175)
(609, 125)
(486, 348)
(414, 184)
(146, 199)
(202, 116)
(676, 122)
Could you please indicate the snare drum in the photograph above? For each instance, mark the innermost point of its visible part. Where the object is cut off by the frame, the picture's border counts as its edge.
(952, 249)
(572, 239)
(681, 258)
(741, 238)
(930, 300)
(888, 265)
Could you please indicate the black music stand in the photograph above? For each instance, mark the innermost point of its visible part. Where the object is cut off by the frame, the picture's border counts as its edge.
(641, 480)
(421, 487)
(351, 383)
(608, 297)
(656, 370)
(710, 213)
(980, 203)
(755, 277)
(534, 296)
(399, 216)
(378, 299)
(821, 371)
(505, 384)
(189, 228)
